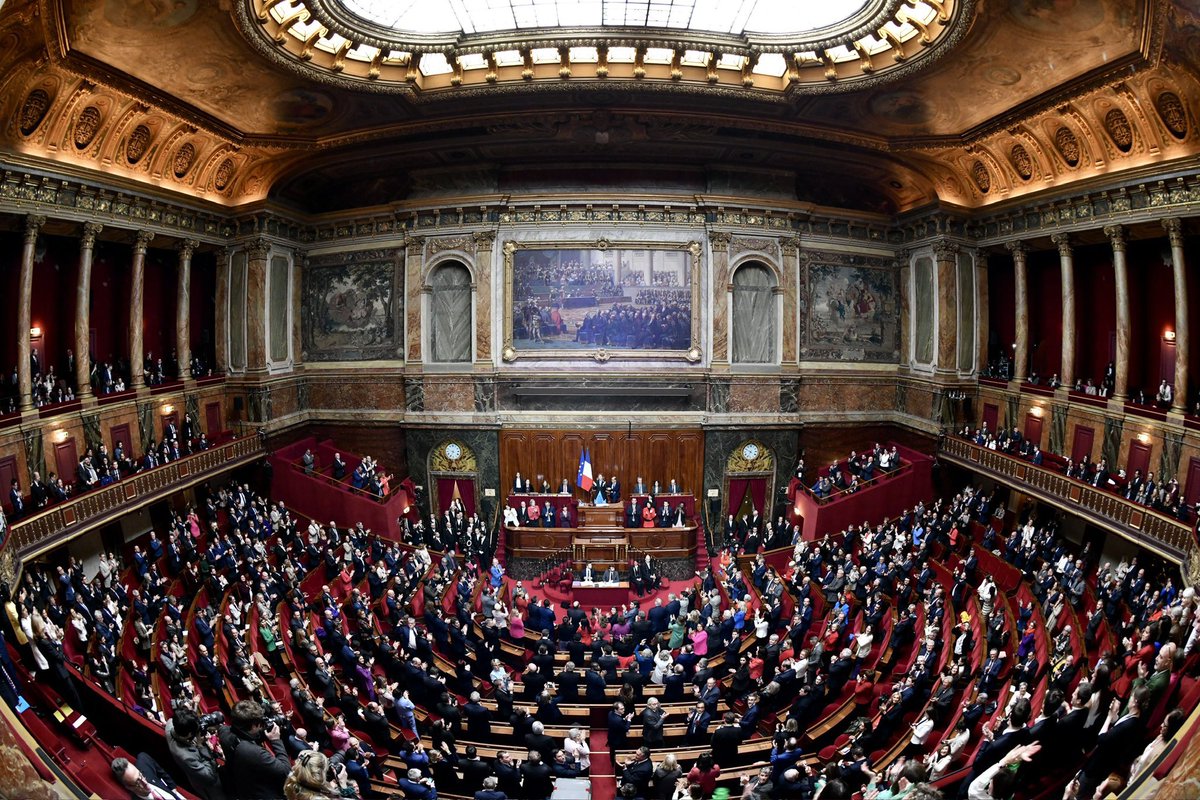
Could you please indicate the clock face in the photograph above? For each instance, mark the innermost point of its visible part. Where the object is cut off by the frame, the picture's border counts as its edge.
(750, 452)
(453, 452)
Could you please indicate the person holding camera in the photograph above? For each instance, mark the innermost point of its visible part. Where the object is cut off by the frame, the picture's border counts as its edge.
(254, 753)
(186, 738)
(314, 777)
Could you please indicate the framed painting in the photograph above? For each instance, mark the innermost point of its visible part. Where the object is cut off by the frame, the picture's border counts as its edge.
(602, 300)
(350, 307)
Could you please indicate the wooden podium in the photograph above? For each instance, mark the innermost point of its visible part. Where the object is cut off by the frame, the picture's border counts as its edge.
(600, 548)
(606, 516)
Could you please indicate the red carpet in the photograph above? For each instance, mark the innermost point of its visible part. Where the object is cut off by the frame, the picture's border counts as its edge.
(604, 782)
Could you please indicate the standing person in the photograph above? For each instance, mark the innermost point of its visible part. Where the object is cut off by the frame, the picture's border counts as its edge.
(254, 754)
(193, 755)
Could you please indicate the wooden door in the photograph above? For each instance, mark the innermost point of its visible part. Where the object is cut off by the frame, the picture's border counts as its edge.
(1191, 491)
(1166, 366)
(212, 419)
(8, 471)
(66, 458)
(1082, 445)
(1139, 458)
(120, 433)
(991, 413)
(1033, 429)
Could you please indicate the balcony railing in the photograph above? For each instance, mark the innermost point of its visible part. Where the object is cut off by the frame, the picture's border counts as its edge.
(34, 534)
(1169, 536)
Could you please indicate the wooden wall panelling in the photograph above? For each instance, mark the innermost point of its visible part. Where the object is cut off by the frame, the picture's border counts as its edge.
(8, 471)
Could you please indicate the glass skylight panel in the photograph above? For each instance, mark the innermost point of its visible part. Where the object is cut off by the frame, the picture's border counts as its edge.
(472, 61)
(621, 55)
(584, 55)
(509, 58)
(545, 55)
(720, 16)
(772, 64)
(659, 55)
(434, 64)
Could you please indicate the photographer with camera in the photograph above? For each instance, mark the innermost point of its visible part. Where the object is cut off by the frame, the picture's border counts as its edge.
(254, 754)
(187, 739)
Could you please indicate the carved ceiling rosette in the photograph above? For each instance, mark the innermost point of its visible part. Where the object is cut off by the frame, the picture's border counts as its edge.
(137, 144)
(33, 111)
(1067, 145)
(87, 125)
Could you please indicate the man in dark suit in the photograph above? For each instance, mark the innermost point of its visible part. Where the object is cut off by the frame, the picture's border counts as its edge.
(39, 495)
(697, 725)
(618, 726)
(138, 776)
(474, 771)
(537, 779)
(479, 718)
(539, 742)
(726, 740)
(490, 790)
(640, 486)
(633, 515)
(339, 467)
(17, 501)
(508, 776)
(638, 770)
(614, 490)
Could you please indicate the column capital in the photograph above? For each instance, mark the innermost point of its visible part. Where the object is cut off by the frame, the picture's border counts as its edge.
(1063, 242)
(33, 224)
(944, 250)
(186, 247)
(719, 240)
(1116, 235)
(483, 240)
(981, 258)
(90, 231)
(1174, 228)
(1018, 248)
(143, 240)
(257, 249)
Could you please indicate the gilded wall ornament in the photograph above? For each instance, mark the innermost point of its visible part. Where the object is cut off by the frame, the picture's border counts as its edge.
(33, 111)
(1021, 161)
(87, 125)
(224, 174)
(184, 157)
(1119, 130)
(1068, 145)
(983, 178)
(1170, 109)
(138, 144)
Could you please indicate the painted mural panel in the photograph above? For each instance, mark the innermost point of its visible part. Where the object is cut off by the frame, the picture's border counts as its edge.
(350, 309)
(850, 308)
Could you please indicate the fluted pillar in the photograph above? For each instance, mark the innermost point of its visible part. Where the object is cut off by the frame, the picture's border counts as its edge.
(137, 309)
(221, 319)
(83, 311)
(945, 255)
(1020, 251)
(1174, 228)
(183, 309)
(982, 312)
(256, 305)
(719, 241)
(1116, 235)
(1066, 259)
(33, 224)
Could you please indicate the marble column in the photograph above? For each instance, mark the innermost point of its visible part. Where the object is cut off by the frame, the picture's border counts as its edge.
(484, 240)
(183, 309)
(33, 224)
(256, 305)
(137, 309)
(981, 309)
(945, 256)
(1116, 235)
(414, 289)
(221, 319)
(1019, 252)
(791, 293)
(1067, 263)
(83, 311)
(719, 241)
(1174, 228)
(299, 262)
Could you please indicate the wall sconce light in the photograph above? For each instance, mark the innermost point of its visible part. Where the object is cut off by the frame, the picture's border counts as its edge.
(168, 409)
(1169, 336)
(1144, 437)
(35, 332)
(1037, 411)
(60, 436)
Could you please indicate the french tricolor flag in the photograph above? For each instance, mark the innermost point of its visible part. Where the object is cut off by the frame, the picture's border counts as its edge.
(584, 479)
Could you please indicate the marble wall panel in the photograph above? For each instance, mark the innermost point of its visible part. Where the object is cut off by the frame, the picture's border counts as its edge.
(278, 299)
(923, 311)
(237, 312)
(966, 314)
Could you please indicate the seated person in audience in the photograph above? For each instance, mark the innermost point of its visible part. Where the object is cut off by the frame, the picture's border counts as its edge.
(564, 487)
(673, 487)
(611, 575)
(1166, 394)
(543, 484)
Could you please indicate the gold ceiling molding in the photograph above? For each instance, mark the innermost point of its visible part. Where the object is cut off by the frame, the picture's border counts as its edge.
(1134, 123)
(315, 38)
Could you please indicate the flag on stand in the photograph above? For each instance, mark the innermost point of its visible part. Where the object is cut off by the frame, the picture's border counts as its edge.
(584, 479)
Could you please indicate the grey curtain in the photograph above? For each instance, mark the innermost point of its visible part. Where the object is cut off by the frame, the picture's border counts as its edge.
(450, 314)
(35, 456)
(91, 430)
(1168, 461)
(146, 424)
(1058, 429)
(1113, 428)
(753, 315)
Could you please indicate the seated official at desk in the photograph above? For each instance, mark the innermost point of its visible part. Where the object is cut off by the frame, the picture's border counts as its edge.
(611, 575)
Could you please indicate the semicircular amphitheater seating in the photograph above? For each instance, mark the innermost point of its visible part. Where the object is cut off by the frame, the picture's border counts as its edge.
(867, 660)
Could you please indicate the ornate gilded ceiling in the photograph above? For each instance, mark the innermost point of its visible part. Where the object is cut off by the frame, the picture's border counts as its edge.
(996, 100)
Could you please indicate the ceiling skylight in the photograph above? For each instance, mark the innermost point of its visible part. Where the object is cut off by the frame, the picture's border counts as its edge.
(719, 16)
